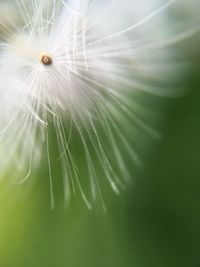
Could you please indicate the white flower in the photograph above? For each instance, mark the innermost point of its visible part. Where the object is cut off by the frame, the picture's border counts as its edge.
(71, 68)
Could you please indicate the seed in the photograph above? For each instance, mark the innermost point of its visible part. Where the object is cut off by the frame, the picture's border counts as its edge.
(46, 59)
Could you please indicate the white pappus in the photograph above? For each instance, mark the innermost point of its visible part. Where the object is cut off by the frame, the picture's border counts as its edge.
(72, 69)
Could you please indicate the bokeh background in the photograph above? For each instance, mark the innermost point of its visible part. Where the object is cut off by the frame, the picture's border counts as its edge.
(155, 223)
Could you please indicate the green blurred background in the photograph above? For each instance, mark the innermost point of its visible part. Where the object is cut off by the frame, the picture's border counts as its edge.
(155, 223)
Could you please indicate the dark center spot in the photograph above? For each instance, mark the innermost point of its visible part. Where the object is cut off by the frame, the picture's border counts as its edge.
(46, 60)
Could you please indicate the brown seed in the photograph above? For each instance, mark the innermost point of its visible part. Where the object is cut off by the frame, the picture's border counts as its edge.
(46, 60)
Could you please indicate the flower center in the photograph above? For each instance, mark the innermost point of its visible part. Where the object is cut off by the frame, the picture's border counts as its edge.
(46, 59)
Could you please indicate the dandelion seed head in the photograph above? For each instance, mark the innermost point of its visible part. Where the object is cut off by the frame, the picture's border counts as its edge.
(67, 70)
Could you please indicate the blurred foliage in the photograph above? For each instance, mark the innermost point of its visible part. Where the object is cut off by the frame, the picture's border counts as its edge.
(155, 223)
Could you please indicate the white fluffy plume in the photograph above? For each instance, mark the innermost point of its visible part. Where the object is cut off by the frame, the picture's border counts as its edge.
(70, 71)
